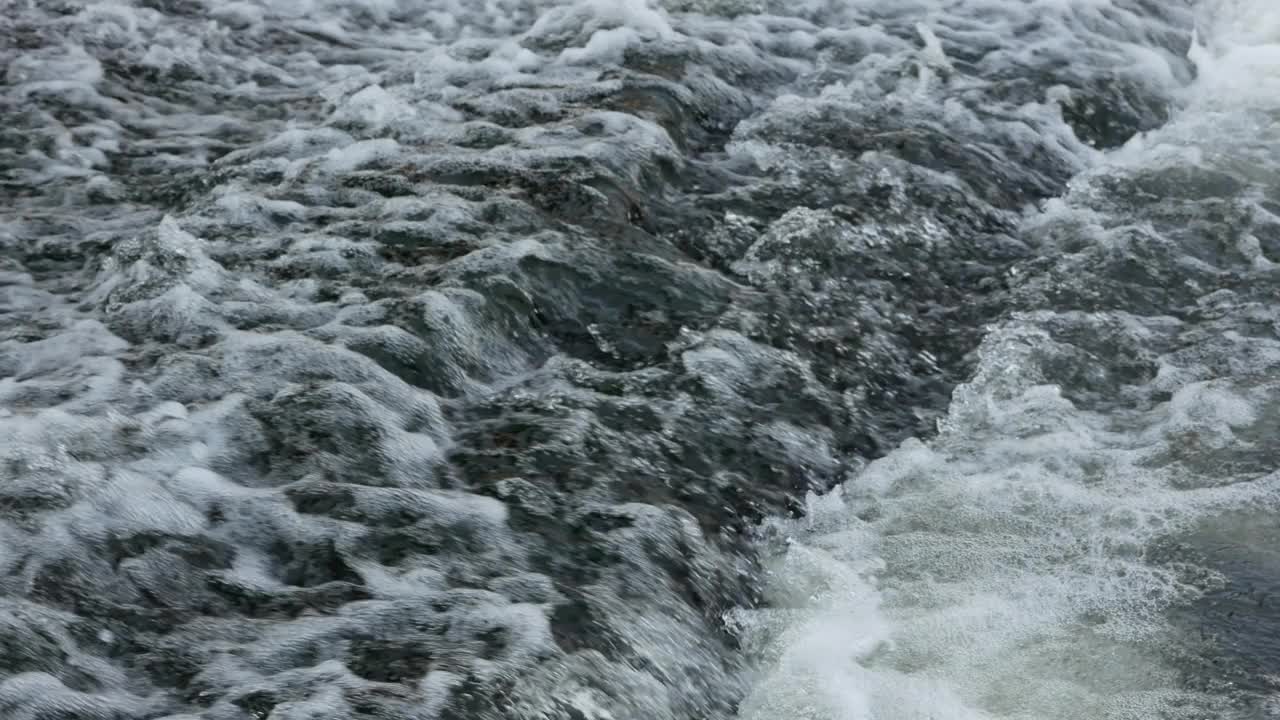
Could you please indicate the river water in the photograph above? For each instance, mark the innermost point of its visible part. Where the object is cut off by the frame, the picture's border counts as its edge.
(614, 359)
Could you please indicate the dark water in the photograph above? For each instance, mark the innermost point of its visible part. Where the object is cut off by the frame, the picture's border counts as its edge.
(429, 359)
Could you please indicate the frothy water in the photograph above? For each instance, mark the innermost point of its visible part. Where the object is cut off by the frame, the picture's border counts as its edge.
(1091, 533)
(439, 359)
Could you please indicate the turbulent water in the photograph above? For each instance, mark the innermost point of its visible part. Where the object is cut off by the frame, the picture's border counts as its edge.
(613, 360)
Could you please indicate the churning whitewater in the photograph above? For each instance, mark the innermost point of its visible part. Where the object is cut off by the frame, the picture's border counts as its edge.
(626, 359)
(1092, 533)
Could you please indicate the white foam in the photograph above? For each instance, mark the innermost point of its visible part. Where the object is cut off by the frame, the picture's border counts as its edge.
(592, 15)
(1228, 118)
(375, 109)
(973, 577)
(361, 154)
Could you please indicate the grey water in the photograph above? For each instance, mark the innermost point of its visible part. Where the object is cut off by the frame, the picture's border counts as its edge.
(614, 359)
